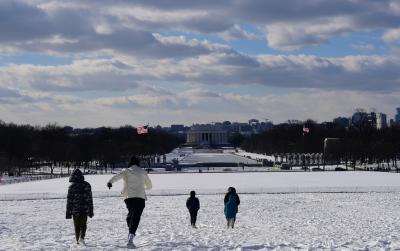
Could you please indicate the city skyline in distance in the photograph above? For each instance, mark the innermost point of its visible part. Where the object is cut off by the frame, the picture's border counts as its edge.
(371, 116)
(97, 63)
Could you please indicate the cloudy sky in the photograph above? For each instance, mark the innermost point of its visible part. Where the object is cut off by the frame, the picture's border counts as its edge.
(93, 63)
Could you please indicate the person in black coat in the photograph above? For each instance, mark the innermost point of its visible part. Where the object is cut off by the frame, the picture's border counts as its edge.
(79, 204)
(193, 204)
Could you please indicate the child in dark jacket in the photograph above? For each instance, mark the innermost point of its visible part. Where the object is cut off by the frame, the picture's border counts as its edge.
(79, 204)
(231, 203)
(193, 204)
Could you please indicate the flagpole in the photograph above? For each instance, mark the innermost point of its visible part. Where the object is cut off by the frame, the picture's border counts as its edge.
(304, 143)
(303, 157)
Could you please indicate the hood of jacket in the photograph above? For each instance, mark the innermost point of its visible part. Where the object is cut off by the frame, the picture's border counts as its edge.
(76, 176)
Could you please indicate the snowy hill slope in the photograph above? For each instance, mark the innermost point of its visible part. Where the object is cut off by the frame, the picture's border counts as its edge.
(274, 221)
(216, 183)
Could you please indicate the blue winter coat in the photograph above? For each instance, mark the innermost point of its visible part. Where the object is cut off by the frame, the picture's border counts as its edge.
(231, 207)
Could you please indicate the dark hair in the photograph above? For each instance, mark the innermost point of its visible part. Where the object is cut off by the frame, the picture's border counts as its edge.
(192, 193)
(134, 161)
(231, 190)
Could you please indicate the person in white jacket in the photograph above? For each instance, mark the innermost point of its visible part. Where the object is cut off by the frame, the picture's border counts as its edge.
(136, 181)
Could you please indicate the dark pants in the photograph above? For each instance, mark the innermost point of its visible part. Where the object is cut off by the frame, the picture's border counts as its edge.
(135, 207)
(193, 217)
(80, 226)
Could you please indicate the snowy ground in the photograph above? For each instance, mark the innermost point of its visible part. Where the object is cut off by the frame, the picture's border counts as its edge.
(271, 221)
(215, 158)
(253, 155)
(187, 155)
(282, 221)
(217, 183)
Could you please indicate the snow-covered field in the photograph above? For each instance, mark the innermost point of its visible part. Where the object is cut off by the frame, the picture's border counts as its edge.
(217, 183)
(240, 152)
(188, 155)
(267, 219)
(215, 158)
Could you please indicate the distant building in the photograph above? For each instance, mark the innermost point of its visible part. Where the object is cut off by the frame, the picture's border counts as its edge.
(363, 119)
(207, 135)
(392, 123)
(342, 121)
(245, 129)
(381, 121)
(397, 116)
(360, 117)
(372, 119)
(226, 124)
(254, 122)
(177, 128)
(264, 126)
(256, 126)
(294, 122)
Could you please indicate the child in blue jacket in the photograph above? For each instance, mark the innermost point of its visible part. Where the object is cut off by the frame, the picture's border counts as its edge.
(231, 202)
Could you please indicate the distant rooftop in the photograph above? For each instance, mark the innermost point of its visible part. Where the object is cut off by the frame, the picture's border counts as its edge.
(206, 127)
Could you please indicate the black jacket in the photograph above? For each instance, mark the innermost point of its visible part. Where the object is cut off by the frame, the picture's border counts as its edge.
(79, 199)
(193, 204)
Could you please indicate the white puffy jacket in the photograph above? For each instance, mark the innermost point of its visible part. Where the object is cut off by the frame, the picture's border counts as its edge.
(135, 180)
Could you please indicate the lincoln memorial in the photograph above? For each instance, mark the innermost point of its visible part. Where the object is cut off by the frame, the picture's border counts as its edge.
(206, 135)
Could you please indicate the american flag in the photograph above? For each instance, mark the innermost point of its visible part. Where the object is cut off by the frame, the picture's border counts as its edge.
(142, 129)
(306, 130)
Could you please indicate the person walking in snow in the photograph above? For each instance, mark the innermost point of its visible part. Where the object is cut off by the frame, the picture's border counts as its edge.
(136, 181)
(193, 205)
(231, 203)
(79, 204)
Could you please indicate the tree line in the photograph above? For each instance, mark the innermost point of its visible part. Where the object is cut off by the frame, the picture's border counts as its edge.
(356, 144)
(26, 147)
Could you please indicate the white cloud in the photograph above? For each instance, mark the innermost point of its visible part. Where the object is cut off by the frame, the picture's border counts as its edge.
(141, 101)
(237, 33)
(127, 26)
(81, 75)
(392, 35)
(148, 59)
(373, 73)
(363, 46)
(366, 73)
(194, 106)
(293, 36)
